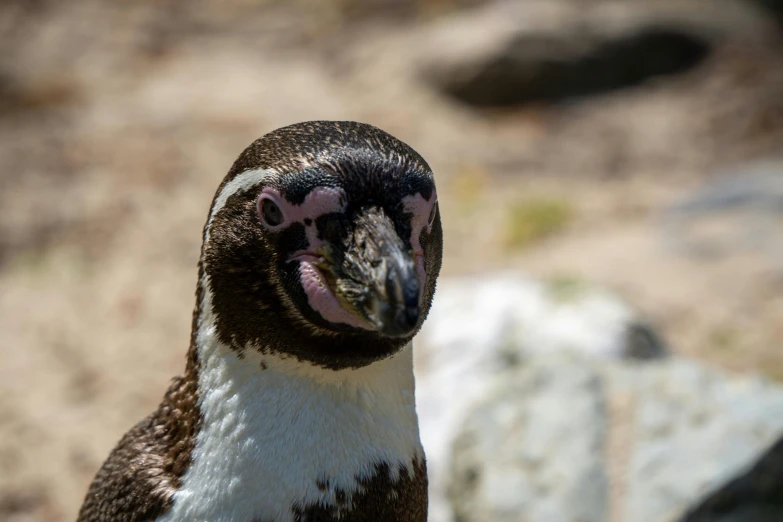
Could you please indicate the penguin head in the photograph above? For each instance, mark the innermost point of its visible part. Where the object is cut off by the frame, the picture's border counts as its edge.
(324, 243)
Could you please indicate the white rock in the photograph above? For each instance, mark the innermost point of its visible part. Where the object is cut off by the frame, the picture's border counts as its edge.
(522, 372)
(476, 328)
(695, 429)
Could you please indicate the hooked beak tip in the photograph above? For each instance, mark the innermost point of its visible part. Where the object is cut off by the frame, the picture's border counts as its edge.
(398, 321)
(399, 316)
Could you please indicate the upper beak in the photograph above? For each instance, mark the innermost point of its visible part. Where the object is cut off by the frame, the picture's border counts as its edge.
(373, 274)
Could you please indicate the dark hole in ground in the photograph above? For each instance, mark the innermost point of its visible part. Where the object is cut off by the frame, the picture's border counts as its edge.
(544, 69)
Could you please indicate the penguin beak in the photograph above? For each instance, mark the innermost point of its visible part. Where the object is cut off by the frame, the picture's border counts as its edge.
(373, 275)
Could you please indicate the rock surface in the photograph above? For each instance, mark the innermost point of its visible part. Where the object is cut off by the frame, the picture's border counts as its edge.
(512, 53)
(483, 317)
(476, 330)
(694, 430)
(532, 451)
(756, 496)
(540, 446)
(738, 211)
(534, 408)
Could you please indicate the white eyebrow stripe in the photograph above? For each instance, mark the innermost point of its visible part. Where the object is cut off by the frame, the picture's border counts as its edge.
(241, 183)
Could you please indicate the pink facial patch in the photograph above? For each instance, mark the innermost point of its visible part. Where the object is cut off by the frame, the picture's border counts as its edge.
(320, 201)
(322, 300)
(421, 209)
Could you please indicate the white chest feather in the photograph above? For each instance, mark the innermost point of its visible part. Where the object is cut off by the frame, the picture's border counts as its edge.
(268, 436)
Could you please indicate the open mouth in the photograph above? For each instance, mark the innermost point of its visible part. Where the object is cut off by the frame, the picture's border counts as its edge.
(310, 257)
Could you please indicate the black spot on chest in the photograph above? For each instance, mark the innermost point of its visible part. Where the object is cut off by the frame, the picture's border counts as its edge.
(380, 498)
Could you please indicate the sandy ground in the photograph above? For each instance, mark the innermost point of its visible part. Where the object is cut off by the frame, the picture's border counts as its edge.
(116, 128)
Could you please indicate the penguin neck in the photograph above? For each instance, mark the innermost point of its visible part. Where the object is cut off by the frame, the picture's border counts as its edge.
(288, 428)
(264, 363)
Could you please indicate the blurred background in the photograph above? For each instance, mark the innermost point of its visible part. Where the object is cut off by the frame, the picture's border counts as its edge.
(622, 154)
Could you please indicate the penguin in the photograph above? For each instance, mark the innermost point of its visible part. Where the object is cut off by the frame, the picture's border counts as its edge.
(320, 256)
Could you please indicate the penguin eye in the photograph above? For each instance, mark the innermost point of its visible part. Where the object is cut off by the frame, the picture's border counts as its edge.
(271, 214)
(433, 213)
